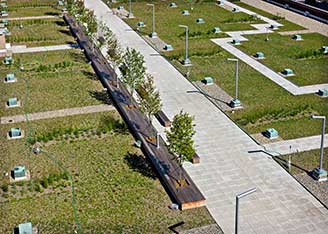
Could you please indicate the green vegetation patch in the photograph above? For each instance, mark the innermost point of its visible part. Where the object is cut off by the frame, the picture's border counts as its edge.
(39, 32)
(27, 8)
(304, 57)
(304, 162)
(116, 190)
(53, 80)
(169, 19)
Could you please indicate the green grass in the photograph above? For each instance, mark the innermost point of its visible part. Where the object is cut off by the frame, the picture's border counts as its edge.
(304, 161)
(169, 19)
(283, 52)
(26, 8)
(288, 26)
(32, 11)
(50, 88)
(116, 191)
(39, 32)
(31, 3)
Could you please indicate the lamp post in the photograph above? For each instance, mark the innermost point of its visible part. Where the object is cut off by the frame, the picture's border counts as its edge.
(239, 196)
(235, 102)
(153, 33)
(130, 15)
(319, 173)
(186, 60)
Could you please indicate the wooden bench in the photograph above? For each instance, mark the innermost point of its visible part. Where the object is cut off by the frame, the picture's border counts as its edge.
(163, 119)
(195, 159)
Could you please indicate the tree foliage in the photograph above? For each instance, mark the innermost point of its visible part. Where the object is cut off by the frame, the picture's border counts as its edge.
(85, 16)
(180, 137)
(150, 103)
(133, 69)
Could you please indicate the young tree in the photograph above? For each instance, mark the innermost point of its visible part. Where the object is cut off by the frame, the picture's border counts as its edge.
(150, 103)
(180, 137)
(91, 21)
(133, 69)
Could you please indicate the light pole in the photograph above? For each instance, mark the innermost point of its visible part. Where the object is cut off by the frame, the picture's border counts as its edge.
(153, 33)
(130, 15)
(319, 173)
(186, 60)
(239, 196)
(235, 102)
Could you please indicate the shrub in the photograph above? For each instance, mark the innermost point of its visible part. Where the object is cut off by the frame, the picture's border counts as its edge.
(45, 182)
(37, 187)
(5, 187)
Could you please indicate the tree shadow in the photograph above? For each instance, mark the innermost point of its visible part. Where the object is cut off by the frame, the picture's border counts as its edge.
(101, 96)
(60, 23)
(65, 31)
(90, 75)
(52, 13)
(283, 162)
(175, 226)
(139, 164)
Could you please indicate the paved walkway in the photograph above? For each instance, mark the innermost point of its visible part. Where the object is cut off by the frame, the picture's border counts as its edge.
(311, 24)
(295, 145)
(225, 43)
(56, 113)
(33, 17)
(24, 49)
(295, 32)
(280, 205)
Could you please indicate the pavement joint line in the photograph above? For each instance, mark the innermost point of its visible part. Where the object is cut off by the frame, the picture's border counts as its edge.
(57, 113)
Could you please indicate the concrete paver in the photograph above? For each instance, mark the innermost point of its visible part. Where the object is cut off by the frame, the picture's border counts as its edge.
(226, 167)
(22, 49)
(56, 113)
(33, 17)
(295, 145)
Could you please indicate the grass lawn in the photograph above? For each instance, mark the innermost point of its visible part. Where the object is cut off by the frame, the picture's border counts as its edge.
(55, 80)
(288, 26)
(116, 191)
(283, 52)
(25, 8)
(39, 32)
(304, 161)
(32, 11)
(169, 19)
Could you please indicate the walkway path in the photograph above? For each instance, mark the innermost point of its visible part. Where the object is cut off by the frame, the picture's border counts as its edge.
(280, 205)
(56, 113)
(295, 145)
(33, 17)
(24, 49)
(306, 22)
(225, 43)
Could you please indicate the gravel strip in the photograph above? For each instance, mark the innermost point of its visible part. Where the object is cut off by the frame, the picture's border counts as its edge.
(318, 189)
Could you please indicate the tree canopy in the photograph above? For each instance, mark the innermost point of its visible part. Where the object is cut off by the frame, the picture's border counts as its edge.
(180, 137)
